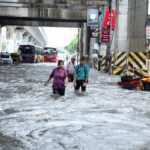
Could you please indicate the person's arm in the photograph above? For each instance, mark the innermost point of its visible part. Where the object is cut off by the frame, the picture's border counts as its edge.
(50, 77)
(74, 81)
(66, 77)
(86, 79)
(66, 80)
(75, 74)
(48, 80)
(87, 73)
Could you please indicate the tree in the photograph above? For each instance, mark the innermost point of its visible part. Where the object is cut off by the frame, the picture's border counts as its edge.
(72, 46)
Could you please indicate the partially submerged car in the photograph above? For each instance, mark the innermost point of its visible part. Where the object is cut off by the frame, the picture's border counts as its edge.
(16, 58)
(5, 58)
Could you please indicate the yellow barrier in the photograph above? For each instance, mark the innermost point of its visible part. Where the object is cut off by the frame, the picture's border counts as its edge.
(134, 62)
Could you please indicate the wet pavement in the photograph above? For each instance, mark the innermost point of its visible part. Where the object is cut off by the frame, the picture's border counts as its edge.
(107, 118)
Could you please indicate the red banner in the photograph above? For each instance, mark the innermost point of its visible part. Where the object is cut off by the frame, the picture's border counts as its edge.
(106, 19)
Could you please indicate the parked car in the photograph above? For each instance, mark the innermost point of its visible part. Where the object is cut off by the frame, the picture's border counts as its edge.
(16, 58)
(5, 58)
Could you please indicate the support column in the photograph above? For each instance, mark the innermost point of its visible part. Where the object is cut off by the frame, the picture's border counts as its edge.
(88, 44)
(18, 38)
(93, 49)
(120, 41)
(137, 15)
(81, 41)
(0, 37)
(84, 39)
(0, 31)
(10, 39)
(25, 37)
(108, 53)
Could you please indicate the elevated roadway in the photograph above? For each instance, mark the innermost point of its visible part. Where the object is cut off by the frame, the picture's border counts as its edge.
(64, 13)
(13, 36)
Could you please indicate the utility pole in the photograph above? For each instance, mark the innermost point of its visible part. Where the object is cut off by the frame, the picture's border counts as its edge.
(110, 10)
(99, 42)
(88, 44)
(116, 30)
(81, 40)
(108, 54)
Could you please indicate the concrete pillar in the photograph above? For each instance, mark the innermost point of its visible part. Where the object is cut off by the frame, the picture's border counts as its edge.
(93, 41)
(25, 37)
(18, 37)
(88, 41)
(10, 39)
(0, 31)
(136, 25)
(30, 39)
(33, 40)
(3, 46)
(9, 32)
(0, 37)
(120, 42)
(81, 41)
(85, 39)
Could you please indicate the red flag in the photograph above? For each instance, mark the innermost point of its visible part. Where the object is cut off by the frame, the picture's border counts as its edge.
(106, 19)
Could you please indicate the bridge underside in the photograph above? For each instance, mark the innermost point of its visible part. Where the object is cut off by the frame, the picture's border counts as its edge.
(26, 21)
(58, 13)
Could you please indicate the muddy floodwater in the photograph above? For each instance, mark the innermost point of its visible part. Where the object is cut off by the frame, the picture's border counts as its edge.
(107, 118)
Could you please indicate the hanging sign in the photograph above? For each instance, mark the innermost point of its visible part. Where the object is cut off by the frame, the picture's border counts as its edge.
(105, 35)
(92, 16)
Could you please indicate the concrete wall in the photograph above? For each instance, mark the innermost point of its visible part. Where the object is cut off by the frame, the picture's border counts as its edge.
(130, 26)
(136, 25)
(120, 34)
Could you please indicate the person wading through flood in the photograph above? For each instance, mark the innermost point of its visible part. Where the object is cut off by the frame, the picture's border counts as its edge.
(81, 75)
(71, 67)
(60, 79)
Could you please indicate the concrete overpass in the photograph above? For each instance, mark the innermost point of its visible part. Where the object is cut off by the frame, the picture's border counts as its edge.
(52, 13)
(13, 36)
(61, 13)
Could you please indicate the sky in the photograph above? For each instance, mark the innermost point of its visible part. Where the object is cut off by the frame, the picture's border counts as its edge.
(59, 37)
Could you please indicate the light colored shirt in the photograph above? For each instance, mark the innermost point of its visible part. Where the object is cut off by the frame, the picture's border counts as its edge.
(70, 67)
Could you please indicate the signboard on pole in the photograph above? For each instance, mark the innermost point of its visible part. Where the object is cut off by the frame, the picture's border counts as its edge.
(94, 32)
(105, 35)
(92, 16)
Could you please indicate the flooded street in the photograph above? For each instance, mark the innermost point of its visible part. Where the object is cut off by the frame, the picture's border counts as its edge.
(107, 118)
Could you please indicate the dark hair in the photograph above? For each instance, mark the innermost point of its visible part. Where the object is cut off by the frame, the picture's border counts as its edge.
(83, 58)
(59, 62)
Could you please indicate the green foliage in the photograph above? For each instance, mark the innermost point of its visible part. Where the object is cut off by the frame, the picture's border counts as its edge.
(3, 46)
(72, 46)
